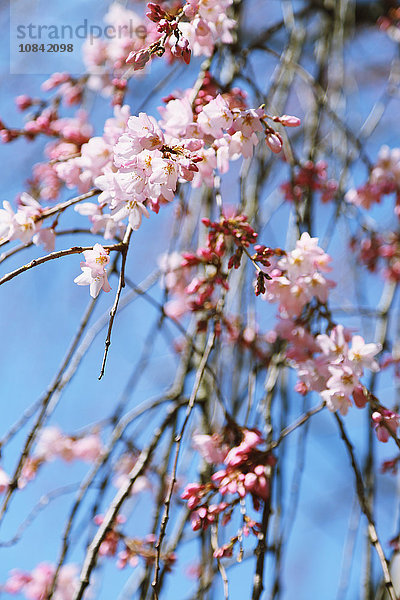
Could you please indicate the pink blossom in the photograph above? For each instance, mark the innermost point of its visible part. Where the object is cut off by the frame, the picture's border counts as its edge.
(343, 378)
(45, 237)
(209, 446)
(96, 259)
(55, 80)
(362, 354)
(193, 492)
(143, 133)
(298, 278)
(96, 282)
(385, 421)
(336, 400)
(177, 115)
(215, 116)
(36, 585)
(23, 101)
(164, 177)
(6, 221)
(51, 443)
(208, 25)
(134, 210)
(335, 345)
(88, 448)
(93, 270)
(4, 481)
(100, 221)
(17, 581)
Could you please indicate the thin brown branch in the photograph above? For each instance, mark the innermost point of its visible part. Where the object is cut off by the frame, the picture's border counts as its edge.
(45, 402)
(167, 503)
(373, 536)
(60, 208)
(53, 255)
(115, 506)
(123, 248)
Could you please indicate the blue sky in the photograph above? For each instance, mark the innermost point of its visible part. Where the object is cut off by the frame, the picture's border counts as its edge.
(40, 311)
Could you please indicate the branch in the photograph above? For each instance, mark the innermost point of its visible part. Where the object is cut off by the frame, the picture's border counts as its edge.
(373, 536)
(178, 440)
(61, 207)
(60, 253)
(123, 248)
(45, 403)
(116, 504)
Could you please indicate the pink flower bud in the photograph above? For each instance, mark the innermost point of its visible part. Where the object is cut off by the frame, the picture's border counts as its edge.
(23, 102)
(274, 142)
(138, 59)
(289, 121)
(359, 397)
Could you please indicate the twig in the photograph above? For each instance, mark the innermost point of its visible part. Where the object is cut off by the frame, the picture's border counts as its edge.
(178, 440)
(45, 401)
(303, 419)
(258, 584)
(116, 504)
(373, 536)
(221, 568)
(53, 255)
(17, 249)
(41, 505)
(116, 435)
(61, 207)
(123, 248)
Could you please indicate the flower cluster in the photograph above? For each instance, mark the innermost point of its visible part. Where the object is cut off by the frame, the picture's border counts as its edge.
(152, 157)
(138, 161)
(373, 248)
(390, 23)
(53, 443)
(207, 25)
(105, 58)
(307, 178)
(94, 156)
(69, 89)
(132, 548)
(196, 27)
(246, 471)
(385, 422)
(298, 277)
(122, 469)
(94, 270)
(37, 584)
(231, 236)
(330, 364)
(73, 130)
(25, 224)
(384, 179)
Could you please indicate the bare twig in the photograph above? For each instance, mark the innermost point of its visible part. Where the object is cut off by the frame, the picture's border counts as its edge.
(123, 248)
(115, 506)
(373, 536)
(178, 440)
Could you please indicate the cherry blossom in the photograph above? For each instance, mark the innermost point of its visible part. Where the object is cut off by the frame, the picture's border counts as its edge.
(94, 273)
(37, 584)
(298, 278)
